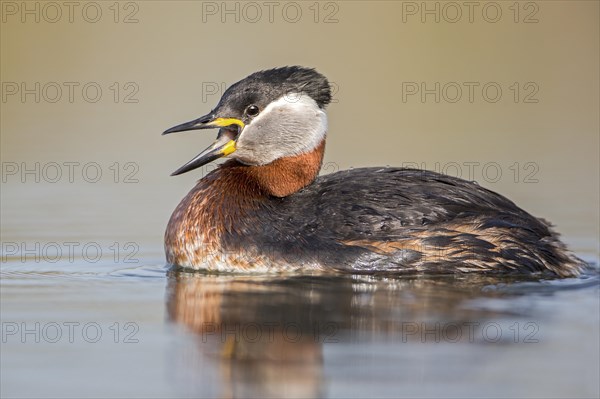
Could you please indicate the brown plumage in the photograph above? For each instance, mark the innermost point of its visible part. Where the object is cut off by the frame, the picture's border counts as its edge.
(267, 210)
(220, 201)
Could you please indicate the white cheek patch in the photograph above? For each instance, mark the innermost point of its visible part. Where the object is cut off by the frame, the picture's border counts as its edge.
(291, 125)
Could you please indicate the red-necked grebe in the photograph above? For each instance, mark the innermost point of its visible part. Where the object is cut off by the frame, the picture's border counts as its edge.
(265, 209)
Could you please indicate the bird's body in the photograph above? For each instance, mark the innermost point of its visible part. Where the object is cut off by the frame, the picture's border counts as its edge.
(277, 215)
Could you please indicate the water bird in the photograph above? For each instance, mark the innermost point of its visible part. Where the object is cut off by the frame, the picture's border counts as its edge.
(266, 209)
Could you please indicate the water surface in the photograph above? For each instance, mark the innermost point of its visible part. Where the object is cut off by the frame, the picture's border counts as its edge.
(115, 330)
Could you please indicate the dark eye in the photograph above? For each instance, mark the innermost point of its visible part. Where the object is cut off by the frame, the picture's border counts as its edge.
(252, 110)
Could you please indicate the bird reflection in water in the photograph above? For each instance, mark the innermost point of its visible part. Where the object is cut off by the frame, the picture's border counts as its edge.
(267, 333)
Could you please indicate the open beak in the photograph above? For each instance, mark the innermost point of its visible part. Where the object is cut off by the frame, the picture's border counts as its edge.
(223, 146)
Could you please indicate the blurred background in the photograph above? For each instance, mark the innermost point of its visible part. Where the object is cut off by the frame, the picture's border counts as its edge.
(506, 94)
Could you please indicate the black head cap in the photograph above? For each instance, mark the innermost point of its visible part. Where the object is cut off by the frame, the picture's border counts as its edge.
(264, 87)
(291, 79)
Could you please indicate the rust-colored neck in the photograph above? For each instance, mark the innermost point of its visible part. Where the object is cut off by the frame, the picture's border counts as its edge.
(283, 176)
(223, 200)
